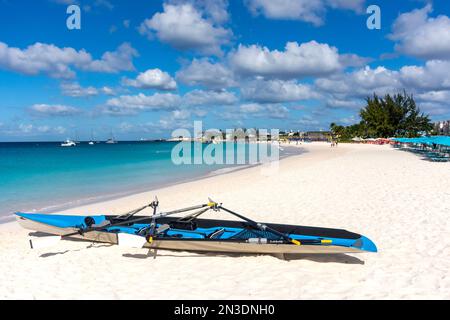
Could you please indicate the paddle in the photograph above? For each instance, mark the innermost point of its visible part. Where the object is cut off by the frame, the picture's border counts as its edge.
(44, 242)
(136, 241)
(261, 226)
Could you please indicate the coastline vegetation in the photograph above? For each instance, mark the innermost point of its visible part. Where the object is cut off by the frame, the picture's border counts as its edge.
(384, 117)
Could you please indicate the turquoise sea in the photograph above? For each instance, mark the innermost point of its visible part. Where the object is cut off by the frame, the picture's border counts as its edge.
(46, 177)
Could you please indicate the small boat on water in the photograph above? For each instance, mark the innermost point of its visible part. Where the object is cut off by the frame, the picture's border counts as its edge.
(68, 143)
(189, 233)
(91, 143)
(111, 140)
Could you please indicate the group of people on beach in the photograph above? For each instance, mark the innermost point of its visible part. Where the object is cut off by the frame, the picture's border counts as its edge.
(334, 142)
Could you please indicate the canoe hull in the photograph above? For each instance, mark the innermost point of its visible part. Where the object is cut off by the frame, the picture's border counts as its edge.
(195, 245)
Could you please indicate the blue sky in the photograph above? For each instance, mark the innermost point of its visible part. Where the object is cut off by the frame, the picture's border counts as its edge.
(145, 68)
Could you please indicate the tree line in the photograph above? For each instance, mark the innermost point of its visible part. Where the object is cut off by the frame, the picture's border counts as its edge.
(385, 117)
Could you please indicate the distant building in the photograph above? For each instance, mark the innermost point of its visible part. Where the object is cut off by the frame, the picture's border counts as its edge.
(442, 128)
(317, 135)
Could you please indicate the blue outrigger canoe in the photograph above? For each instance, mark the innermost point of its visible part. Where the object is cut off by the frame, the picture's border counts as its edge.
(189, 233)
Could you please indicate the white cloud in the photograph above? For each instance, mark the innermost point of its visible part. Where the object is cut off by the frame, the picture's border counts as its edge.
(108, 91)
(308, 122)
(209, 98)
(55, 110)
(353, 60)
(303, 10)
(435, 75)
(58, 62)
(214, 10)
(421, 36)
(183, 27)
(113, 62)
(308, 59)
(25, 128)
(152, 79)
(435, 96)
(430, 84)
(181, 114)
(205, 73)
(60, 130)
(354, 5)
(28, 129)
(255, 110)
(104, 3)
(74, 89)
(360, 83)
(344, 104)
(273, 91)
(132, 104)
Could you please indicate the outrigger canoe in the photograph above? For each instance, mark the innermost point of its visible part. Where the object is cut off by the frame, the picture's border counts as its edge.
(189, 233)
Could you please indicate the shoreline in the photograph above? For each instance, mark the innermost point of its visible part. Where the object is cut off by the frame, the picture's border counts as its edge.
(52, 209)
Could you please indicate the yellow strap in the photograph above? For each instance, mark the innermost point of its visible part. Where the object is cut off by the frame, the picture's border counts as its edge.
(212, 204)
(150, 239)
(326, 241)
(296, 242)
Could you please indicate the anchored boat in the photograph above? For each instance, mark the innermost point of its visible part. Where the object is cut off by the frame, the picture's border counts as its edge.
(189, 233)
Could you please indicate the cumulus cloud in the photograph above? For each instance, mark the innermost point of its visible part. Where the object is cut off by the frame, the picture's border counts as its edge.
(28, 129)
(132, 104)
(115, 61)
(214, 10)
(422, 36)
(308, 59)
(273, 91)
(152, 79)
(59, 62)
(183, 27)
(74, 89)
(209, 98)
(55, 110)
(255, 110)
(435, 96)
(205, 73)
(360, 83)
(302, 10)
(429, 83)
(434, 75)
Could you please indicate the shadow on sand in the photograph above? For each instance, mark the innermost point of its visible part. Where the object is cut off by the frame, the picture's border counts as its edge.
(320, 258)
(92, 245)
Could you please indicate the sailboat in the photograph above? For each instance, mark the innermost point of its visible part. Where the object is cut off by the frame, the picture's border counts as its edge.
(111, 140)
(91, 143)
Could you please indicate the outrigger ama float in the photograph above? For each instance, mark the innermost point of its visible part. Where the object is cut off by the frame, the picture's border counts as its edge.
(189, 233)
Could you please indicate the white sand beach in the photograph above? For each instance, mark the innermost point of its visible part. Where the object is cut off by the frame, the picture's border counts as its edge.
(393, 197)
